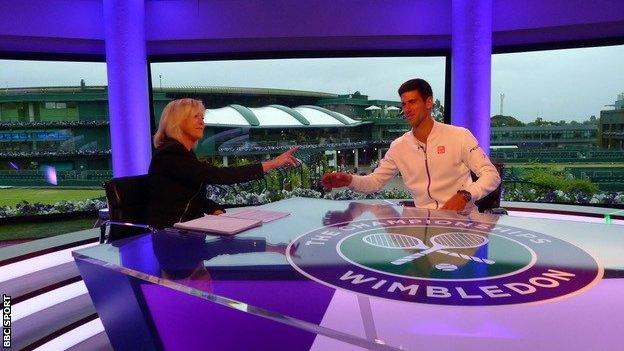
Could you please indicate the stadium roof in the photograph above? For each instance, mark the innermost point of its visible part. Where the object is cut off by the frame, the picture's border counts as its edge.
(277, 116)
(174, 89)
(244, 90)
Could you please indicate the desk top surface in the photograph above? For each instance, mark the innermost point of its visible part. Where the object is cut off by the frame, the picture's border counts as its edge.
(399, 277)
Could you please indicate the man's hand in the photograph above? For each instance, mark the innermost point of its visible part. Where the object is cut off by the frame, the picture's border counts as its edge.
(217, 212)
(336, 180)
(457, 202)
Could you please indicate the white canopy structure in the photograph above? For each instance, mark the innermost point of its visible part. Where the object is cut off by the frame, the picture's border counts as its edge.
(276, 116)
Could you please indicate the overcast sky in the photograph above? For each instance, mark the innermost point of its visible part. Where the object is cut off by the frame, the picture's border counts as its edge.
(560, 84)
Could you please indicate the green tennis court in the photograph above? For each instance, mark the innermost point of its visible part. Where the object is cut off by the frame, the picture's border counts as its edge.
(12, 196)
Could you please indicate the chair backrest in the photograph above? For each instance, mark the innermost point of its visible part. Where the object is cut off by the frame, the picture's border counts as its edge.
(492, 200)
(127, 201)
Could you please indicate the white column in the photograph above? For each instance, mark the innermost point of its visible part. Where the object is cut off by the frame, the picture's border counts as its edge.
(31, 111)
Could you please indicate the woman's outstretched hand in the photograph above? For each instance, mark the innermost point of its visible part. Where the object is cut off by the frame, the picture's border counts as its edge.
(287, 159)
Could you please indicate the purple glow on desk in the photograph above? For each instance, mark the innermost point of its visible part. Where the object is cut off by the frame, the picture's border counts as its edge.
(181, 319)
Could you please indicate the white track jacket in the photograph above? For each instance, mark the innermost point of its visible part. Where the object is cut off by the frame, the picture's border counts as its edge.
(435, 171)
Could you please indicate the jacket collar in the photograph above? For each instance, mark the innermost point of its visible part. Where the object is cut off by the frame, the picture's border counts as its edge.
(435, 130)
(171, 141)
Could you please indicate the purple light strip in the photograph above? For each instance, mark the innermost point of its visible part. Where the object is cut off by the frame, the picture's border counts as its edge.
(471, 67)
(128, 100)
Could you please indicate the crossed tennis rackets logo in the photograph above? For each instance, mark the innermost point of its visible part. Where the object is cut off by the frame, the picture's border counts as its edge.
(440, 243)
(370, 257)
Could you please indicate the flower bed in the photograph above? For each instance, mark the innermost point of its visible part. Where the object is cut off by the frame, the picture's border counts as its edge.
(250, 198)
(558, 196)
(253, 198)
(522, 195)
(25, 208)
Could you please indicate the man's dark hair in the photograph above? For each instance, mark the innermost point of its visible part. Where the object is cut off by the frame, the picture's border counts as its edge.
(420, 85)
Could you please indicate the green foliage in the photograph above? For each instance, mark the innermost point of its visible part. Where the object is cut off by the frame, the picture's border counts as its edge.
(241, 162)
(324, 163)
(21, 231)
(273, 181)
(306, 182)
(292, 180)
(539, 121)
(555, 179)
(505, 121)
(438, 111)
(216, 162)
(255, 186)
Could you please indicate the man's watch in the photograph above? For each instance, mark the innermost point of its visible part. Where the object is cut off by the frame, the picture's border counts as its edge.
(466, 194)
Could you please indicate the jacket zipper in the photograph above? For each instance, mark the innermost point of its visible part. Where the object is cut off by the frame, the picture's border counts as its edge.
(189, 202)
(428, 177)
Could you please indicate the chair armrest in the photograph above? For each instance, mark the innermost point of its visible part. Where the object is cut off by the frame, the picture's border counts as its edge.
(125, 224)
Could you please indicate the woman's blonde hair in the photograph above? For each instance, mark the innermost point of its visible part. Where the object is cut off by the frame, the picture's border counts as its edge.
(172, 116)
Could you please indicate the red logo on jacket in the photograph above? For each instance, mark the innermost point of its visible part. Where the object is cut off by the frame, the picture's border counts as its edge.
(441, 149)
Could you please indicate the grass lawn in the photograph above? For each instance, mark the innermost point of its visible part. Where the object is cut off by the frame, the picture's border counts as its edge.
(11, 196)
(43, 229)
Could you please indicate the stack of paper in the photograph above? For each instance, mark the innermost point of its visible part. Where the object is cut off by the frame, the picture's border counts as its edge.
(253, 213)
(232, 222)
(219, 224)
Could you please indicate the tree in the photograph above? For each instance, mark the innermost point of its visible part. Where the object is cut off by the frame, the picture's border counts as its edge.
(539, 121)
(591, 122)
(505, 121)
(437, 112)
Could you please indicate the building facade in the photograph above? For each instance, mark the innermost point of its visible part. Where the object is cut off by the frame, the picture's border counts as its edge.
(67, 127)
(611, 126)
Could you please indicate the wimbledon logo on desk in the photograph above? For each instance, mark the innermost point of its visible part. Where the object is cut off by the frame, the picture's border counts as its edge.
(443, 261)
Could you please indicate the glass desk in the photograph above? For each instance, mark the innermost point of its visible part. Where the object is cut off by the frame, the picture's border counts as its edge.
(366, 275)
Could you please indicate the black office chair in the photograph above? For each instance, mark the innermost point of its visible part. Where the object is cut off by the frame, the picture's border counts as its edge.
(491, 203)
(127, 199)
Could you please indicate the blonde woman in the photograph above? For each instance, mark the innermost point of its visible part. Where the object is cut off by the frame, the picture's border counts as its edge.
(177, 190)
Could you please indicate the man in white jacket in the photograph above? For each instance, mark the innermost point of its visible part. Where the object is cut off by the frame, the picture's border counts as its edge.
(434, 159)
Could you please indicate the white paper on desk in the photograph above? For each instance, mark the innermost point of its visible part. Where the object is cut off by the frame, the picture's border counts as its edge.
(256, 214)
(219, 224)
